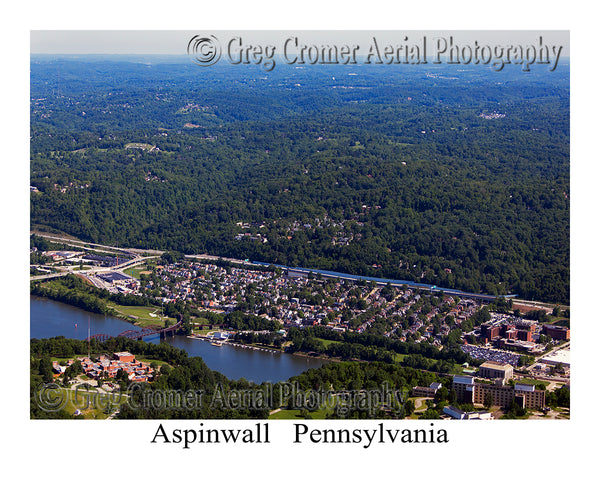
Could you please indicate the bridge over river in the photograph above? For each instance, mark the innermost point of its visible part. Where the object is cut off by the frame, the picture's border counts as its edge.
(139, 334)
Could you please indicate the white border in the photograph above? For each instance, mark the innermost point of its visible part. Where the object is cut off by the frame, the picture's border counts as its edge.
(101, 449)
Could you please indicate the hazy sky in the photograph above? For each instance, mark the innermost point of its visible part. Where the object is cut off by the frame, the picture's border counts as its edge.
(175, 41)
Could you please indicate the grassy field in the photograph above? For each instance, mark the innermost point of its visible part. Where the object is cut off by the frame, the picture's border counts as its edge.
(160, 363)
(328, 342)
(399, 357)
(142, 316)
(90, 403)
(134, 271)
(295, 415)
(143, 146)
(64, 359)
(201, 321)
(202, 329)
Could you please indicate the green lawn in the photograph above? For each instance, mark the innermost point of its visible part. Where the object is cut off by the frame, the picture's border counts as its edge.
(160, 363)
(64, 359)
(91, 404)
(142, 316)
(143, 146)
(201, 321)
(134, 271)
(202, 330)
(328, 342)
(295, 415)
(399, 357)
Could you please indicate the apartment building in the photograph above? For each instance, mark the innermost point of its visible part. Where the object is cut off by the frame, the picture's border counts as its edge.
(469, 391)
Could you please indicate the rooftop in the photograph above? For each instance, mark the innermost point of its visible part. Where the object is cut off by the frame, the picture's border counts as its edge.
(463, 380)
(113, 276)
(496, 365)
(524, 388)
(561, 356)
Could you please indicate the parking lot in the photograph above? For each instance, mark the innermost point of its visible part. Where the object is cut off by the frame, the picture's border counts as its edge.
(481, 353)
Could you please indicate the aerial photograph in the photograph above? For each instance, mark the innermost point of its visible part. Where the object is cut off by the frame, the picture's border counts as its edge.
(301, 225)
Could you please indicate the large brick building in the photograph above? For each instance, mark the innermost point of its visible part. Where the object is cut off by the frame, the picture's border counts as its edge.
(557, 333)
(489, 332)
(524, 335)
(124, 357)
(469, 391)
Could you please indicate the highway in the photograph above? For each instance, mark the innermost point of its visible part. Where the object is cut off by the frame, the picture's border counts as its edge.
(91, 272)
(96, 246)
(326, 273)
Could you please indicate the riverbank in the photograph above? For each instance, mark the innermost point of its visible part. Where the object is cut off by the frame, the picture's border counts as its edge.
(323, 357)
(267, 349)
(240, 345)
(49, 319)
(129, 313)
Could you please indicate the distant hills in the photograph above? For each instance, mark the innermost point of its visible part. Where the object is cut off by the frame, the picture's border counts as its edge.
(452, 176)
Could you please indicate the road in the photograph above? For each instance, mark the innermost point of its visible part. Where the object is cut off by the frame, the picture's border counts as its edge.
(558, 347)
(91, 272)
(540, 305)
(548, 378)
(420, 404)
(324, 273)
(204, 256)
(96, 246)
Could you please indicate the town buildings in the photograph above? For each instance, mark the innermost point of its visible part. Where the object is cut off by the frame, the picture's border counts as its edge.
(108, 366)
(429, 391)
(557, 332)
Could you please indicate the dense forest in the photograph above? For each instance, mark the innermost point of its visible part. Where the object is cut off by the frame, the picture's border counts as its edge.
(458, 178)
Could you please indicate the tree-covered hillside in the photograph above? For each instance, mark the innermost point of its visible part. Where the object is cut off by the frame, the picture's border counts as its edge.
(454, 178)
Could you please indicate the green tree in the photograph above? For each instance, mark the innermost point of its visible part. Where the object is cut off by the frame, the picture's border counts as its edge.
(45, 369)
(430, 414)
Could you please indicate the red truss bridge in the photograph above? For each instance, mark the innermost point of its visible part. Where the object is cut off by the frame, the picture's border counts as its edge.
(139, 334)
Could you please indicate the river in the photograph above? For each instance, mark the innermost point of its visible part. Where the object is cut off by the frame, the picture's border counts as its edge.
(50, 319)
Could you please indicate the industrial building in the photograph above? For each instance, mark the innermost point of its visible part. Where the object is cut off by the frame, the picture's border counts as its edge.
(560, 357)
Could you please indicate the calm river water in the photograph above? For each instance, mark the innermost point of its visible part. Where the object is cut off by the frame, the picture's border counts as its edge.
(51, 319)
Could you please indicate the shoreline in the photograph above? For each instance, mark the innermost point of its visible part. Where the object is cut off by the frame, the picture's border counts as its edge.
(240, 345)
(111, 311)
(321, 357)
(264, 349)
